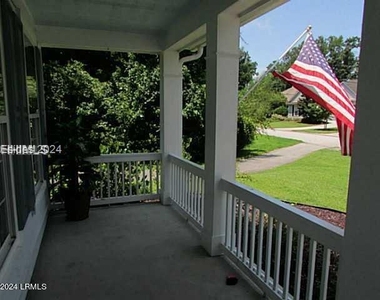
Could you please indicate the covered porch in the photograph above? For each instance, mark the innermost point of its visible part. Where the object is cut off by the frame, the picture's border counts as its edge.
(146, 251)
(275, 248)
(133, 251)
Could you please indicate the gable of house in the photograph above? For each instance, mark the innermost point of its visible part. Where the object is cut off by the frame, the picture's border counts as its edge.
(292, 96)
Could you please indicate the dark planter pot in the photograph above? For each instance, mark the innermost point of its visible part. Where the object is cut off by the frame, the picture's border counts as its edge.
(77, 205)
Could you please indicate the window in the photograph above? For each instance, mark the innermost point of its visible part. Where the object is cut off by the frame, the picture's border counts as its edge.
(5, 187)
(34, 110)
(17, 114)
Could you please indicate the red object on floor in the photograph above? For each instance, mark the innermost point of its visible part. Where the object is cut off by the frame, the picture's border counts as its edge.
(231, 279)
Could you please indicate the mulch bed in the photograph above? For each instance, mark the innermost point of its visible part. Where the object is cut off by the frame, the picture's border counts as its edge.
(334, 217)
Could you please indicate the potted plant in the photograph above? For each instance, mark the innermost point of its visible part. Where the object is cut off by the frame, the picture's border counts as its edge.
(78, 176)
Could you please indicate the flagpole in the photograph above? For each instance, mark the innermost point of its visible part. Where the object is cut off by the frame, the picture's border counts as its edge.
(261, 77)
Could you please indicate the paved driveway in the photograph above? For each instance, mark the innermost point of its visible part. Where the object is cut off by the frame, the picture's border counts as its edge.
(323, 140)
(311, 143)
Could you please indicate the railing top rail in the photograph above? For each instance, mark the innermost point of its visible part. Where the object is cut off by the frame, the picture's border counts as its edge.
(187, 165)
(313, 227)
(124, 157)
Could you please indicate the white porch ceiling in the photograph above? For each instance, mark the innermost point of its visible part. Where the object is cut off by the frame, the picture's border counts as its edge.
(134, 16)
(130, 25)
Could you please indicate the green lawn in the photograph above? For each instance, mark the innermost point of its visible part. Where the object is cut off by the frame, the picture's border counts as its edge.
(264, 144)
(320, 131)
(287, 124)
(320, 179)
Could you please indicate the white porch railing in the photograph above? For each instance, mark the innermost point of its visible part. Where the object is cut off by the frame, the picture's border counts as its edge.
(286, 250)
(187, 187)
(126, 178)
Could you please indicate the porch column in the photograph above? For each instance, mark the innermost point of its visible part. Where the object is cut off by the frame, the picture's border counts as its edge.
(221, 123)
(359, 270)
(170, 115)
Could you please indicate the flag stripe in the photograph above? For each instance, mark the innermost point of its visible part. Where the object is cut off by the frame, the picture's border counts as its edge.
(322, 77)
(298, 65)
(345, 138)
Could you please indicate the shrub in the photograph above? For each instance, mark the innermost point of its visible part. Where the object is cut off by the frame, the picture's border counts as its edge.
(281, 110)
(276, 117)
(312, 112)
(246, 131)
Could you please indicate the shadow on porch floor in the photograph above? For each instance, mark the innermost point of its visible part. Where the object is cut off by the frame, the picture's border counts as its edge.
(144, 251)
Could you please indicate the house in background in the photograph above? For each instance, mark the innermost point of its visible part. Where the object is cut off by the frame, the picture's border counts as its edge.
(293, 96)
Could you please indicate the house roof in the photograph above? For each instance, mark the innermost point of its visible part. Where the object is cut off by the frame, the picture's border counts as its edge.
(292, 95)
(350, 86)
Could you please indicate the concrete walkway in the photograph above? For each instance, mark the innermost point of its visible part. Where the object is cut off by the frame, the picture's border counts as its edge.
(276, 158)
(323, 140)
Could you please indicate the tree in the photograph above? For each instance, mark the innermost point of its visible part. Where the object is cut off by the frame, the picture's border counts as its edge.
(312, 112)
(247, 69)
(132, 115)
(254, 109)
(253, 112)
(266, 93)
(73, 104)
(129, 106)
(72, 96)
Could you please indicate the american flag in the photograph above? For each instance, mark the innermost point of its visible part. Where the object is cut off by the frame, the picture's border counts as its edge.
(313, 77)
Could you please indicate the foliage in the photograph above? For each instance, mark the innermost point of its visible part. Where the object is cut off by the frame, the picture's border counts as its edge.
(31, 86)
(129, 110)
(194, 97)
(265, 93)
(74, 101)
(312, 112)
(247, 69)
(274, 118)
(281, 110)
(252, 115)
(132, 107)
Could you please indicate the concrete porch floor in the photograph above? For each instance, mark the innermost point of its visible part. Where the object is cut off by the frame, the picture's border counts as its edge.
(143, 251)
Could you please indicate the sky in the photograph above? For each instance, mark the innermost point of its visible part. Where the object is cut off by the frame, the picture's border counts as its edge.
(267, 37)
